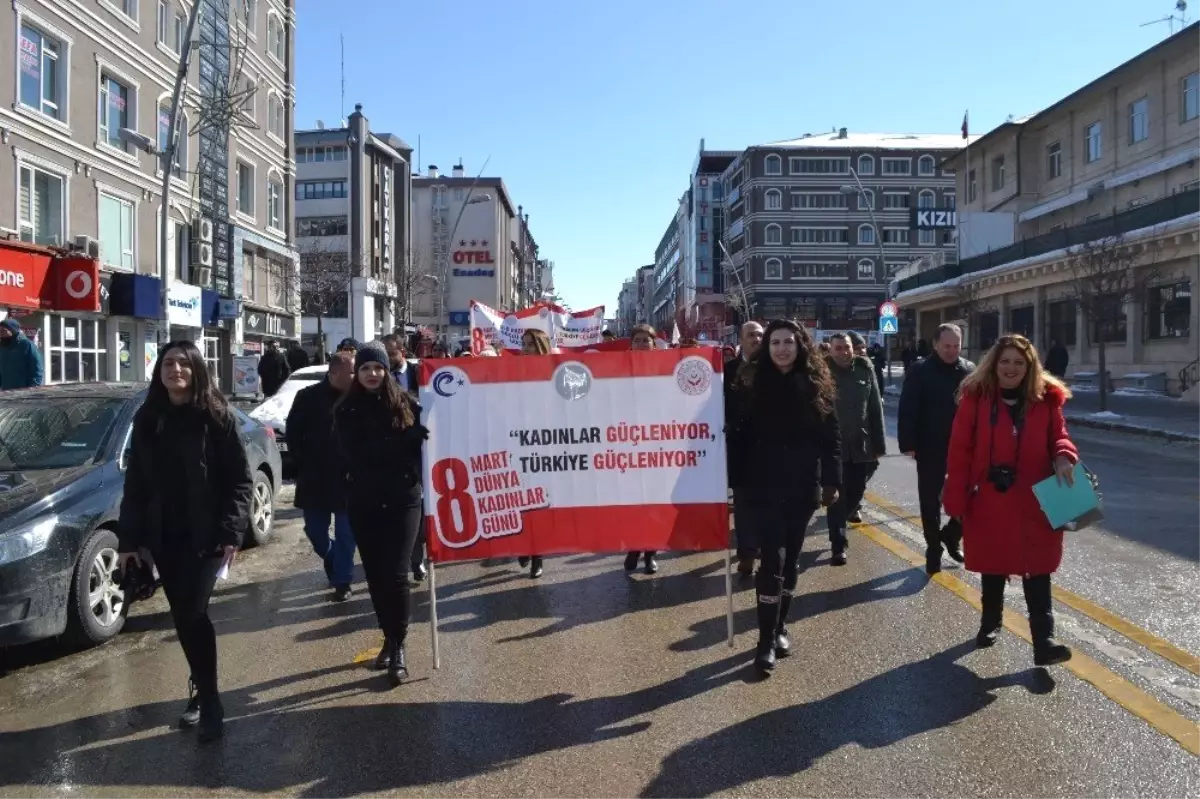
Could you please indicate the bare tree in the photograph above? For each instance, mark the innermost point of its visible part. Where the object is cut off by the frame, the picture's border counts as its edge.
(324, 284)
(1105, 275)
(417, 288)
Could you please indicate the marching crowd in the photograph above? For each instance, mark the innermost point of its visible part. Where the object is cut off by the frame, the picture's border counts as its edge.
(804, 427)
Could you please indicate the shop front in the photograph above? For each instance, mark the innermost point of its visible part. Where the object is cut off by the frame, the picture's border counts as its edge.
(260, 326)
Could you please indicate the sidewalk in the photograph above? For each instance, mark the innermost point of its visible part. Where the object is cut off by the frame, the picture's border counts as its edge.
(1143, 414)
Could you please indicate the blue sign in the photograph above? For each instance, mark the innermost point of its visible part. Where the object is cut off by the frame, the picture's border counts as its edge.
(888, 325)
(460, 318)
(229, 309)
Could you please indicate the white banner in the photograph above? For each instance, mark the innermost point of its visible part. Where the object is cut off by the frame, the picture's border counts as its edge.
(490, 327)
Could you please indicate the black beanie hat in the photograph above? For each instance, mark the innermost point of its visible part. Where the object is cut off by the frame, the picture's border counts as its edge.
(371, 352)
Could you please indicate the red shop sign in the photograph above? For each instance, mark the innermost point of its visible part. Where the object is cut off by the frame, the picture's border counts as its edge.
(23, 273)
(75, 284)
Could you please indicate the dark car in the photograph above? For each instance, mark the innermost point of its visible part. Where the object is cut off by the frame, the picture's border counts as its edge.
(62, 463)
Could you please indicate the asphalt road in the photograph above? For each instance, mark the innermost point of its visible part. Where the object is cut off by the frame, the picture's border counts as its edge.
(591, 683)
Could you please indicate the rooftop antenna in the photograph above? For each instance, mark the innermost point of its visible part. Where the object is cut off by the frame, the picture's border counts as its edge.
(1170, 19)
(343, 40)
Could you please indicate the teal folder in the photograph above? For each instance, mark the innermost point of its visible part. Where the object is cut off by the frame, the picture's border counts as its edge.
(1075, 506)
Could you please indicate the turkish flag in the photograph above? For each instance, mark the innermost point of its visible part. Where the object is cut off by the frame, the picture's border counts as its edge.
(74, 284)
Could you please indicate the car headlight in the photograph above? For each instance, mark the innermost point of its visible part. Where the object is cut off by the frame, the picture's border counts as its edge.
(28, 539)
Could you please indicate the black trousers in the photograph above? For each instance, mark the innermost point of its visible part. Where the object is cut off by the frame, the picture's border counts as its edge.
(931, 478)
(779, 529)
(854, 485)
(1038, 600)
(385, 544)
(188, 583)
(418, 553)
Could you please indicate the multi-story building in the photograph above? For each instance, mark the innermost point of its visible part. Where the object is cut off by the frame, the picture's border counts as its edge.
(666, 276)
(627, 307)
(1111, 166)
(353, 230)
(466, 246)
(817, 224)
(645, 282)
(88, 96)
(703, 289)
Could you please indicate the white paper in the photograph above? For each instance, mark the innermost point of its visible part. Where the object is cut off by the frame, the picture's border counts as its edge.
(223, 574)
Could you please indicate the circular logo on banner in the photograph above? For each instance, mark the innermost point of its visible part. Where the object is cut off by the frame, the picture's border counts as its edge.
(572, 381)
(447, 382)
(78, 284)
(693, 375)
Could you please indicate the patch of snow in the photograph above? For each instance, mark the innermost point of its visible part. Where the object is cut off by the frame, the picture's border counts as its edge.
(1106, 416)
(1142, 392)
(893, 391)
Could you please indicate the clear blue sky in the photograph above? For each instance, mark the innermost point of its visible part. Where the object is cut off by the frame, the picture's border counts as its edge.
(593, 112)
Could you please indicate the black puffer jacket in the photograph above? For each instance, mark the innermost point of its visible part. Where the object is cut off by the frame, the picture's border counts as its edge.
(382, 462)
(187, 483)
(927, 407)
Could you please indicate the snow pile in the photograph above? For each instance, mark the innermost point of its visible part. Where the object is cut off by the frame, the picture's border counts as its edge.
(1105, 416)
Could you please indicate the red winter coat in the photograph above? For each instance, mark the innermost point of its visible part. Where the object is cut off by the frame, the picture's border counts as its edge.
(1006, 533)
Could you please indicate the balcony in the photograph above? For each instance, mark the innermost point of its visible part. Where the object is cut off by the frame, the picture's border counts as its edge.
(1144, 216)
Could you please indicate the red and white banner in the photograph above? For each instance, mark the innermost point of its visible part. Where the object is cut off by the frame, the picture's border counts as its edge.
(600, 452)
(573, 330)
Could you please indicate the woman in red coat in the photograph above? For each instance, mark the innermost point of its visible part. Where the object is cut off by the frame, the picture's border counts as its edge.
(1009, 434)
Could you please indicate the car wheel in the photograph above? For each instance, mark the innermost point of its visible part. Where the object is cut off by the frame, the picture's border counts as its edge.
(262, 510)
(97, 607)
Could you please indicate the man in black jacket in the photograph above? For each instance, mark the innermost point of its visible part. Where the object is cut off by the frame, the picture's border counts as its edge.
(927, 406)
(398, 363)
(318, 474)
(272, 369)
(747, 547)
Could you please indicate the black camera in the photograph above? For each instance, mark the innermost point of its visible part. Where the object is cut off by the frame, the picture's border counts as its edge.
(1002, 477)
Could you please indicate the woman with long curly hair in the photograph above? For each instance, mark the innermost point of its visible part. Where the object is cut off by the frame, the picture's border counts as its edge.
(1009, 434)
(786, 437)
(377, 426)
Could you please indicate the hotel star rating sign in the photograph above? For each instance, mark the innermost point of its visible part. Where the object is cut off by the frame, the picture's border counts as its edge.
(888, 323)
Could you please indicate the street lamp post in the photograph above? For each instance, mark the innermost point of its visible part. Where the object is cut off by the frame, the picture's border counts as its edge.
(858, 190)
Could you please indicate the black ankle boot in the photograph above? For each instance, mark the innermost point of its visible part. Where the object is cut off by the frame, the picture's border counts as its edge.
(993, 609)
(952, 539)
(384, 659)
(191, 714)
(631, 561)
(397, 670)
(212, 719)
(651, 563)
(1046, 650)
(535, 567)
(764, 657)
(783, 644)
(933, 560)
(768, 624)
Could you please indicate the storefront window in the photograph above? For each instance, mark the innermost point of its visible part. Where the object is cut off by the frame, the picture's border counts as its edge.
(77, 352)
(212, 358)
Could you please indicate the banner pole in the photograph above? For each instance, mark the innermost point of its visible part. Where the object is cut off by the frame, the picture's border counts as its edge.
(729, 596)
(433, 617)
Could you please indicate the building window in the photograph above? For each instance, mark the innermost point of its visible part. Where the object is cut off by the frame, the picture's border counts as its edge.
(1139, 120)
(1190, 102)
(275, 115)
(819, 235)
(972, 186)
(41, 82)
(927, 238)
(274, 204)
(895, 235)
(1020, 320)
(773, 165)
(819, 166)
(774, 200)
(322, 226)
(1054, 161)
(926, 199)
(245, 188)
(1060, 322)
(115, 232)
(866, 234)
(826, 201)
(774, 234)
(897, 166)
(317, 155)
(718, 191)
(926, 166)
(896, 202)
(127, 7)
(166, 19)
(247, 93)
(1169, 311)
(275, 36)
(1109, 322)
(866, 269)
(41, 212)
(866, 200)
(181, 139)
(76, 350)
(950, 200)
(819, 271)
(1093, 143)
(774, 269)
(249, 13)
(998, 173)
(115, 100)
(866, 165)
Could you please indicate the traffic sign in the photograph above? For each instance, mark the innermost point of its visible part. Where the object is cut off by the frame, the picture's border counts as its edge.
(889, 309)
(888, 326)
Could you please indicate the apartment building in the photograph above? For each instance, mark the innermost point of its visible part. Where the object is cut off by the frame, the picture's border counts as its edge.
(666, 277)
(815, 225)
(645, 281)
(1112, 165)
(703, 225)
(627, 307)
(89, 84)
(466, 246)
(353, 231)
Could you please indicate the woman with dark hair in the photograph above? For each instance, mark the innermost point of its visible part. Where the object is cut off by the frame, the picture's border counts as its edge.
(786, 437)
(1010, 434)
(377, 426)
(641, 339)
(534, 342)
(187, 502)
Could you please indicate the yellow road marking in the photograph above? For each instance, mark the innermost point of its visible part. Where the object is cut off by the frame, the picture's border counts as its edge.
(369, 654)
(1159, 646)
(1141, 704)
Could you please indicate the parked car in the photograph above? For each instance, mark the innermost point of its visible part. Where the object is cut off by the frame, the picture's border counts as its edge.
(274, 410)
(63, 450)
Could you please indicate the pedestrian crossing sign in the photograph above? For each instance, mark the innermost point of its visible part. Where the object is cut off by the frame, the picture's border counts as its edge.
(888, 326)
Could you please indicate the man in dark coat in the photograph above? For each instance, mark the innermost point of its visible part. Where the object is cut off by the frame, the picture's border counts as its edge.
(272, 369)
(20, 358)
(1057, 359)
(297, 358)
(319, 491)
(398, 363)
(927, 406)
(747, 547)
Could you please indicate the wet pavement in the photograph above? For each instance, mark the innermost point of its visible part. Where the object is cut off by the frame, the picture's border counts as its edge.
(590, 682)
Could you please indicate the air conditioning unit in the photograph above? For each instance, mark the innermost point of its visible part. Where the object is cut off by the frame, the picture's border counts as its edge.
(202, 254)
(202, 230)
(201, 275)
(86, 244)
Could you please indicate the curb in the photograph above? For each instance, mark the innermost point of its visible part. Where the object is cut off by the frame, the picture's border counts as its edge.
(1133, 429)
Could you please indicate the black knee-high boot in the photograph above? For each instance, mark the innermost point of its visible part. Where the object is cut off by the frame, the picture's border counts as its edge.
(1046, 650)
(769, 589)
(783, 644)
(993, 609)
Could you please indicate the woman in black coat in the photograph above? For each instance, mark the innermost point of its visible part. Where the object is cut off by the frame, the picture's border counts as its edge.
(786, 437)
(187, 502)
(377, 427)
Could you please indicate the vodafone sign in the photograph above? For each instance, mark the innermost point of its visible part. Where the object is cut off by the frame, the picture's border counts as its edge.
(32, 278)
(77, 284)
(23, 274)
